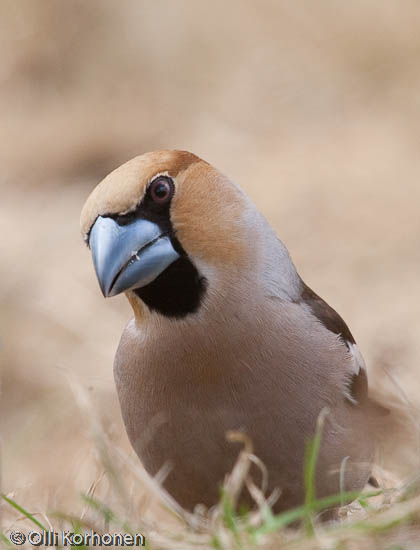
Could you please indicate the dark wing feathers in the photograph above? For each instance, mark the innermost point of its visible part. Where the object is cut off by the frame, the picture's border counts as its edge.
(327, 315)
(358, 384)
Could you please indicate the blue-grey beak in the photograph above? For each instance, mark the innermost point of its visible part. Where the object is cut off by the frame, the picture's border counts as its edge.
(128, 256)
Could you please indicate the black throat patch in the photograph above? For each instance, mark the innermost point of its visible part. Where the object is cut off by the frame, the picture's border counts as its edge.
(177, 291)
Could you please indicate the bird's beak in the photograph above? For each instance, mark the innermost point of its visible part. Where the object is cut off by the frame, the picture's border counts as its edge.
(129, 256)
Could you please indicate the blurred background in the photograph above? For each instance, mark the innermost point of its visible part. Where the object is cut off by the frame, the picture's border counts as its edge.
(314, 108)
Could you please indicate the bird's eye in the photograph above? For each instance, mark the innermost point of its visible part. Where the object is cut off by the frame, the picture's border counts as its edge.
(161, 190)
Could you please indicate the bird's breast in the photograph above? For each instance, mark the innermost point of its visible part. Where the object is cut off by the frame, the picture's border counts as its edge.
(180, 395)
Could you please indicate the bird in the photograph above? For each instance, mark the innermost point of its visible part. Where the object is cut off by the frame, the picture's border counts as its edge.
(225, 336)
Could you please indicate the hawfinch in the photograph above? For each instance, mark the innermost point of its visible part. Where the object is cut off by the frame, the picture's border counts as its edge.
(225, 336)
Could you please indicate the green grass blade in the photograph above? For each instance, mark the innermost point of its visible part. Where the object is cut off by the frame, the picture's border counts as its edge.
(215, 542)
(229, 518)
(104, 510)
(311, 458)
(274, 523)
(77, 529)
(22, 510)
(4, 539)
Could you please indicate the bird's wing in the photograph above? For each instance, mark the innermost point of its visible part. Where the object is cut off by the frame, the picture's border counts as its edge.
(357, 390)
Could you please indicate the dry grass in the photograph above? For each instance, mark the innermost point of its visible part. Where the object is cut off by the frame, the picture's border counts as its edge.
(312, 108)
(122, 498)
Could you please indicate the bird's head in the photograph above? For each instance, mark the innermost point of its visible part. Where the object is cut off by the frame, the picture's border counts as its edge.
(166, 227)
